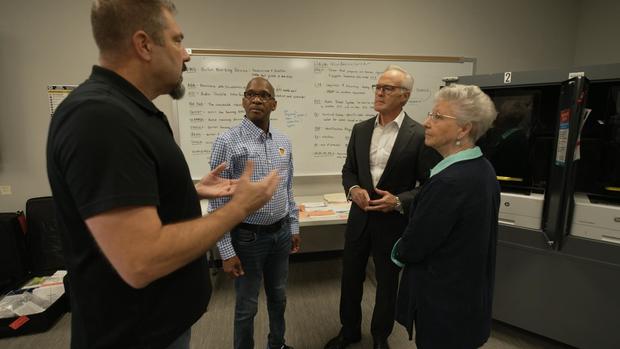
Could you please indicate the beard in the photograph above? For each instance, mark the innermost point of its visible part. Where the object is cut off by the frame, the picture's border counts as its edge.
(178, 91)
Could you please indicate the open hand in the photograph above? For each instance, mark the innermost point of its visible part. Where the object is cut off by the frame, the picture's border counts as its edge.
(213, 186)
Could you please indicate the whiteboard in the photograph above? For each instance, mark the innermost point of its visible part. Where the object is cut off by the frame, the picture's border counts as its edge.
(320, 97)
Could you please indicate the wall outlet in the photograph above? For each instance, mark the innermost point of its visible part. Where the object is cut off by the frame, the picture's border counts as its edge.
(5, 190)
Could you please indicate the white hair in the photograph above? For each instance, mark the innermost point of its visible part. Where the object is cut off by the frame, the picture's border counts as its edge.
(407, 81)
(471, 105)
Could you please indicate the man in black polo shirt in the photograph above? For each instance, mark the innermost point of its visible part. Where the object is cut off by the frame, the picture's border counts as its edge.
(135, 243)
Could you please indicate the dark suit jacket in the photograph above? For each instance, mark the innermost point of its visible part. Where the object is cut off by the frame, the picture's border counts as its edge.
(410, 161)
(449, 253)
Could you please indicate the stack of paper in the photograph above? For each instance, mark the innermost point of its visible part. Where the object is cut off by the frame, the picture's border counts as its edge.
(335, 198)
(311, 205)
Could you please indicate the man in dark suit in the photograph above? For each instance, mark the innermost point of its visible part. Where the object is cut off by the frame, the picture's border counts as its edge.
(386, 159)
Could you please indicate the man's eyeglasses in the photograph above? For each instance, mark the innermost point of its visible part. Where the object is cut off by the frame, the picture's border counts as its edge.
(436, 116)
(262, 95)
(387, 89)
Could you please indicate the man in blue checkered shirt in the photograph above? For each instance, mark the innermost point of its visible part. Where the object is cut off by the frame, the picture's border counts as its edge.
(260, 246)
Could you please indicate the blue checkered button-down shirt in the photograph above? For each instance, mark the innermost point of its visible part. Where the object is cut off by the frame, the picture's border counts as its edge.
(269, 151)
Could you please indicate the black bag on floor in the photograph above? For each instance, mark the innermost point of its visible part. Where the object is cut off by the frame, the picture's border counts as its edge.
(42, 257)
(43, 239)
(18, 325)
(13, 258)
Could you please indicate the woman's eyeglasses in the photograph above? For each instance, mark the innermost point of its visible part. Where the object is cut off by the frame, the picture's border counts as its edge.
(434, 116)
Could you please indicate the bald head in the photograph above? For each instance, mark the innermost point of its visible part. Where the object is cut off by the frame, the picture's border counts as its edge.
(261, 79)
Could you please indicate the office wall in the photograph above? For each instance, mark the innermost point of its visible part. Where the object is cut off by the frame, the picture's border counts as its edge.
(49, 42)
(598, 33)
(41, 42)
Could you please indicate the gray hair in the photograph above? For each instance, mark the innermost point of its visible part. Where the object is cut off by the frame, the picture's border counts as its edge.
(115, 21)
(407, 81)
(471, 105)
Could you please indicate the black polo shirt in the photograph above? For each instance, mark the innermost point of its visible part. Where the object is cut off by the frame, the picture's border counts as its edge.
(110, 147)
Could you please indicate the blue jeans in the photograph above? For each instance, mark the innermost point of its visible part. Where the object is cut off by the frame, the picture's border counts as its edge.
(261, 254)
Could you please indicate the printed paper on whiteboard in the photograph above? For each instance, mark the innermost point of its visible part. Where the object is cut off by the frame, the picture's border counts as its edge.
(56, 94)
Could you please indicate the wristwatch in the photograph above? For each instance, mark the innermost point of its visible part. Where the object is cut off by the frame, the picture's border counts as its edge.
(399, 206)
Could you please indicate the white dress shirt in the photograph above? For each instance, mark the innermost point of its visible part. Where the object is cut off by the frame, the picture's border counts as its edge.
(381, 144)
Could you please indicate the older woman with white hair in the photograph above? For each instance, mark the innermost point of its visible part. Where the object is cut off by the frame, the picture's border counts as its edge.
(448, 248)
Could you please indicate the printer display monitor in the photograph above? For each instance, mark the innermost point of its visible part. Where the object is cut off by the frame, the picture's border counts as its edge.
(520, 142)
(598, 170)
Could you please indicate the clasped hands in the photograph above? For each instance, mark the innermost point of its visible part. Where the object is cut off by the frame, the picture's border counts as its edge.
(386, 203)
